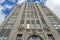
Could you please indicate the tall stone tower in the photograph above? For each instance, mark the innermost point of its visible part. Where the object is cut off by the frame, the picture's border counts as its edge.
(30, 21)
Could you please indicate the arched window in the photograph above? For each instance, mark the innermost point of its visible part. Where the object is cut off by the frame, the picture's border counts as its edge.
(34, 37)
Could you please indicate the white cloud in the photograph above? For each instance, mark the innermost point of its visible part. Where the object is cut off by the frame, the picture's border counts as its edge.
(1, 7)
(1, 1)
(8, 6)
(21, 1)
(12, 0)
(37, 2)
(2, 15)
(54, 5)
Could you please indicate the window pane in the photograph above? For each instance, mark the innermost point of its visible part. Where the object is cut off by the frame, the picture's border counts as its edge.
(19, 37)
(33, 25)
(5, 38)
(34, 38)
(57, 26)
(28, 25)
(0, 37)
(50, 37)
(8, 26)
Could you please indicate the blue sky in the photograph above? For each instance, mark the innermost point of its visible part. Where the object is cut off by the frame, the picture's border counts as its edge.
(6, 6)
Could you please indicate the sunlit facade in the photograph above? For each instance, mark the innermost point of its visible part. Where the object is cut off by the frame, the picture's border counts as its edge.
(30, 21)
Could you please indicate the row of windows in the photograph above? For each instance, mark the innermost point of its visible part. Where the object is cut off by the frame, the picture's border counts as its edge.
(32, 21)
(51, 17)
(57, 26)
(30, 30)
(11, 20)
(35, 37)
(14, 15)
(4, 34)
(33, 30)
(50, 37)
(49, 14)
(29, 7)
(10, 23)
(46, 10)
(8, 26)
(19, 37)
(42, 19)
(31, 14)
(3, 37)
(31, 26)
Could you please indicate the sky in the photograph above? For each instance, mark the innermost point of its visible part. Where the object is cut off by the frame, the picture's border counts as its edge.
(6, 6)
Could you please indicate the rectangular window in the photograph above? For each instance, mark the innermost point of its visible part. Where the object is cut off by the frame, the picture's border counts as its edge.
(0, 37)
(50, 37)
(36, 16)
(3, 37)
(39, 30)
(3, 31)
(27, 30)
(28, 21)
(8, 32)
(19, 36)
(37, 24)
(11, 20)
(36, 19)
(57, 26)
(43, 21)
(28, 25)
(14, 14)
(28, 18)
(48, 12)
(51, 18)
(8, 26)
(33, 21)
(33, 25)
(34, 38)
(34, 30)
(22, 21)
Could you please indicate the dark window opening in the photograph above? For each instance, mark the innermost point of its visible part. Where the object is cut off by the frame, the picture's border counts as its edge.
(50, 37)
(19, 36)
